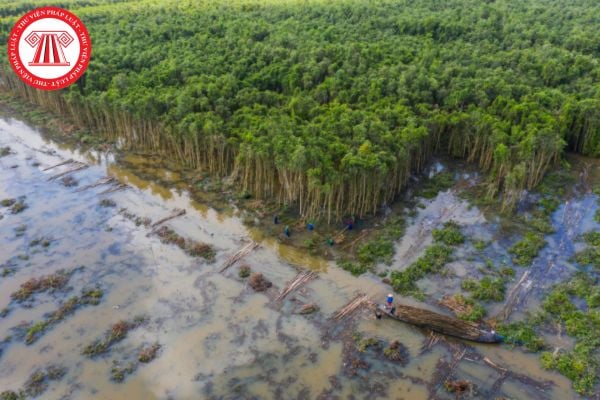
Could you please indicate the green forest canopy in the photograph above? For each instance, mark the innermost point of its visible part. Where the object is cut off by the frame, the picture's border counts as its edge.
(330, 105)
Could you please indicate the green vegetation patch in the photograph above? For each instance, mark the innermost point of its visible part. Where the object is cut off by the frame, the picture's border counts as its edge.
(432, 261)
(573, 305)
(435, 258)
(430, 188)
(525, 250)
(486, 289)
(521, 334)
(4, 151)
(450, 235)
(581, 364)
(378, 250)
(591, 254)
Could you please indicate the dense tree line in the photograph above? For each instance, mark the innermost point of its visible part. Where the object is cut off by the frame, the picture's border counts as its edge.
(332, 105)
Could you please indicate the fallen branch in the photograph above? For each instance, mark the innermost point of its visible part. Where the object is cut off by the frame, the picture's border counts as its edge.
(176, 213)
(301, 279)
(69, 161)
(241, 253)
(512, 299)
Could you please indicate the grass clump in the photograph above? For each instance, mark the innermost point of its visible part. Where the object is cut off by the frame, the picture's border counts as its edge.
(7, 202)
(107, 203)
(434, 259)
(192, 248)
(88, 297)
(450, 235)
(137, 220)
(464, 308)
(4, 151)
(115, 334)
(244, 271)
(395, 351)
(37, 383)
(354, 268)
(18, 207)
(487, 289)
(10, 395)
(54, 281)
(118, 373)
(480, 244)
(147, 354)
(525, 250)
(364, 344)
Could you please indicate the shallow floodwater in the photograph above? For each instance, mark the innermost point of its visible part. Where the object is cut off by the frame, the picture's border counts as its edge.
(219, 338)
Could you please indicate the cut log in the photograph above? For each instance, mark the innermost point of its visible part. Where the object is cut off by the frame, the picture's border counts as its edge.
(69, 161)
(109, 180)
(78, 167)
(116, 188)
(176, 213)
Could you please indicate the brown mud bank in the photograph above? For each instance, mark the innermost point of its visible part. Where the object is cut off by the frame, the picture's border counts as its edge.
(217, 337)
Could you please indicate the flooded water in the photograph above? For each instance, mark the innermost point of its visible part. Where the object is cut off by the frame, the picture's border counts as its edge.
(219, 338)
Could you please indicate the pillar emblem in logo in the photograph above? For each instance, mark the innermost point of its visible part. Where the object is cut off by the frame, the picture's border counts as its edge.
(49, 48)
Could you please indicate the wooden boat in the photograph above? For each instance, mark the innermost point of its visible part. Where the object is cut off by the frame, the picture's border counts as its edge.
(441, 323)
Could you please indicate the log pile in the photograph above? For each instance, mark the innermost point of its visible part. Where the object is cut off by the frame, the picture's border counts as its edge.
(356, 303)
(301, 279)
(241, 253)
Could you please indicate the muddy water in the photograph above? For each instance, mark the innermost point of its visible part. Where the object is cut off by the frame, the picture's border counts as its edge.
(219, 338)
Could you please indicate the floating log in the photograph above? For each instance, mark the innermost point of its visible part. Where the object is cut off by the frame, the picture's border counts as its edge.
(103, 181)
(78, 167)
(300, 279)
(176, 213)
(241, 253)
(116, 188)
(69, 161)
(441, 323)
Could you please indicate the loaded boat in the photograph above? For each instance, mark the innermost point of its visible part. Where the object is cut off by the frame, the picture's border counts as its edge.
(441, 323)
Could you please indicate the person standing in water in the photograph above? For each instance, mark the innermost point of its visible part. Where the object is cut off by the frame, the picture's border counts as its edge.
(390, 301)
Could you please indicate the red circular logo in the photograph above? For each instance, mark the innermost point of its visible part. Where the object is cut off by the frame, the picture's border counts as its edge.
(49, 48)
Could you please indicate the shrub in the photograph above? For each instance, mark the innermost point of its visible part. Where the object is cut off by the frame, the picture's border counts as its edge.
(527, 248)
